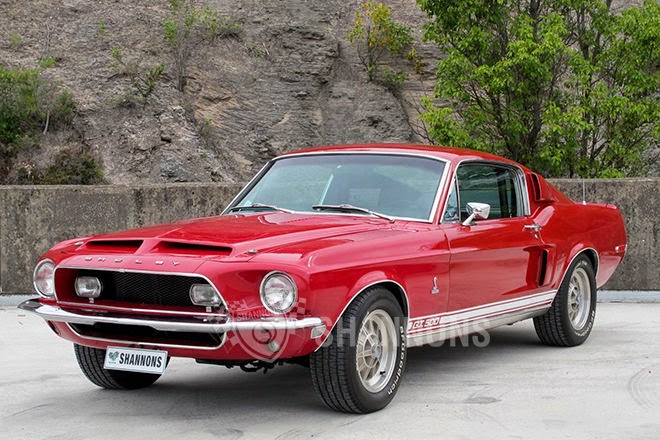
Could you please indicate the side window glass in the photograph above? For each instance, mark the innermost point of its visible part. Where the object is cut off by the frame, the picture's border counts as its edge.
(496, 185)
(451, 210)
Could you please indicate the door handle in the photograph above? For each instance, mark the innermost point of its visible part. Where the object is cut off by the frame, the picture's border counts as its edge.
(534, 227)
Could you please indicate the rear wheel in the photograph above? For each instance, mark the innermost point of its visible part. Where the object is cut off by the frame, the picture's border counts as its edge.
(359, 368)
(570, 319)
(91, 362)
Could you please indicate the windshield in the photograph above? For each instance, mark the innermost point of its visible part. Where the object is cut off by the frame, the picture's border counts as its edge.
(393, 185)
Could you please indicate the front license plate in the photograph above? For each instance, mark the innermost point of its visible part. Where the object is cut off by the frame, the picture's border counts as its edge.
(136, 360)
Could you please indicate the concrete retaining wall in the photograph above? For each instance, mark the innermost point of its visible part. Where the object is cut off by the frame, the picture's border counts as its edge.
(638, 200)
(33, 218)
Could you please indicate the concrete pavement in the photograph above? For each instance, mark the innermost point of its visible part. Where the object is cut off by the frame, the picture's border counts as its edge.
(514, 388)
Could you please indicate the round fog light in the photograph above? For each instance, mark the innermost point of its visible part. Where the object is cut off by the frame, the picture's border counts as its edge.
(88, 287)
(204, 295)
(278, 292)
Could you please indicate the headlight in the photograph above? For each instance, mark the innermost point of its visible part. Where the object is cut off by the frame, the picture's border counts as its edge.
(88, 287)
(44, 278)
(278, 292)
(204, 295)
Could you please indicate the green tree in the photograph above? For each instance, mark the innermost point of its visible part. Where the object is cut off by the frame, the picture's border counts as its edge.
(568, 87)
(376, 36)
(29, 105)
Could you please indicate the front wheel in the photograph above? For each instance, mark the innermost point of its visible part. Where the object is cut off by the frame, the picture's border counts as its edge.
(570, 319)
(358, 370)
(91, 361)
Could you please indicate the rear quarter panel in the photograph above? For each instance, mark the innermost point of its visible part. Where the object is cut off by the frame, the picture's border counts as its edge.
(572, 228)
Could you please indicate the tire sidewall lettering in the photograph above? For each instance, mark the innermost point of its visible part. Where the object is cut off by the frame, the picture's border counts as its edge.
(396, 377)
(390, 306)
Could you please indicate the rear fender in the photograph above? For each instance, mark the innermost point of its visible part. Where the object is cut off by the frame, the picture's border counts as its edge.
(576, 251)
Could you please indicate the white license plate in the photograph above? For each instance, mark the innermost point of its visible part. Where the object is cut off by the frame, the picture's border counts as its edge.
(136, 360)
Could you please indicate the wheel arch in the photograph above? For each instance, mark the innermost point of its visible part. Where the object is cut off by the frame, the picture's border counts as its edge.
(395, 288)
(589, 252)
(593, 257)
(397, 291)
(392, 286)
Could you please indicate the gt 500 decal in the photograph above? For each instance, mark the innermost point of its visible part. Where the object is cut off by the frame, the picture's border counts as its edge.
(421, 323)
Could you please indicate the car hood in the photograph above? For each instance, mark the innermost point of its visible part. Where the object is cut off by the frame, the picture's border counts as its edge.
(242, 236)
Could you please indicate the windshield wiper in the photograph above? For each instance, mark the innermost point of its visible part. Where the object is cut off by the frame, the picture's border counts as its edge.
(259, 207)
(350, 208)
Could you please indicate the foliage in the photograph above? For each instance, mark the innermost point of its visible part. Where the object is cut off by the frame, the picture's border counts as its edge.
(392, 79)
(70, 166)
(417, 61)
(189, 26)
(143, 79)
(101, 28)
(47, 62)
(258, 51)
(205, 128)
(377, 36)
(73, 167)
(29, 104)
(567, 87)
(15, 40)
(18, 103)
(61, 110)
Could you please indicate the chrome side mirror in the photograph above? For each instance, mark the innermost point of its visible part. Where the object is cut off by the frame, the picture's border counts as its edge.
(477, 211)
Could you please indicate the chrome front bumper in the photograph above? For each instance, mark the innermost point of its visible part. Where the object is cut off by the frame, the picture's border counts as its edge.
(168, 324)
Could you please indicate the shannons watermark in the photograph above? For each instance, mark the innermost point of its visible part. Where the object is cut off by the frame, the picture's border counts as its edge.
(266, 343)
(478, 337)
(347, 333)
(269, 342)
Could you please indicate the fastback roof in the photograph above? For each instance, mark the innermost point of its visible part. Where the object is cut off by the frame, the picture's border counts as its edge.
(449, 153)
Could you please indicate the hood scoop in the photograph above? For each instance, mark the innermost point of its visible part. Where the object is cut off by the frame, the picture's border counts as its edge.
(187, 248)
(112, 246)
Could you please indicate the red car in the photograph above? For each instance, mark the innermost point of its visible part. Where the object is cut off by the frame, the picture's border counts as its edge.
(339, 258)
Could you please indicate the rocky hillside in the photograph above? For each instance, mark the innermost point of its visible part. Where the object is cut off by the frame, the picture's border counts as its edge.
(286, 78)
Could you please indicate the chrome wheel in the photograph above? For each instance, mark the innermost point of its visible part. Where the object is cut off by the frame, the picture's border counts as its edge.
(579, 298)
(376, 350)
(360, 370)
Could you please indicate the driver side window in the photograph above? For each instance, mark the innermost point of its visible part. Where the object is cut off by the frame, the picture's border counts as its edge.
(498, 186)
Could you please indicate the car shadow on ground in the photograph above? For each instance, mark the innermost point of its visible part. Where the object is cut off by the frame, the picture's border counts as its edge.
(191, 391)
(476, 351)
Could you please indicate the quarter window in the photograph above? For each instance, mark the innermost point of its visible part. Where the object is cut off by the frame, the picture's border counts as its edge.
(451, 211)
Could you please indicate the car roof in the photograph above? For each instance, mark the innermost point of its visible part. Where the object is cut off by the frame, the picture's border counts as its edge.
(450, 154)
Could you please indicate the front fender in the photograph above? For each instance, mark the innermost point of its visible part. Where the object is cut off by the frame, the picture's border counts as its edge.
(332, 312)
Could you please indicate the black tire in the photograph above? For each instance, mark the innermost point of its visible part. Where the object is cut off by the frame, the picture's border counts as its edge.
(373, 316)
(91, 361)
(568, 322)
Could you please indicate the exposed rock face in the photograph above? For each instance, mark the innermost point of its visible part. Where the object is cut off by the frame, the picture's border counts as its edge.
(289, 80)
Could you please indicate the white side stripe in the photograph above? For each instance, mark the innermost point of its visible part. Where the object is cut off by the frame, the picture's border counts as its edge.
(426, 323)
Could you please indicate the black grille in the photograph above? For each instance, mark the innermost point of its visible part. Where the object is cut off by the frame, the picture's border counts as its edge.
(146, 288)
(147, 335)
